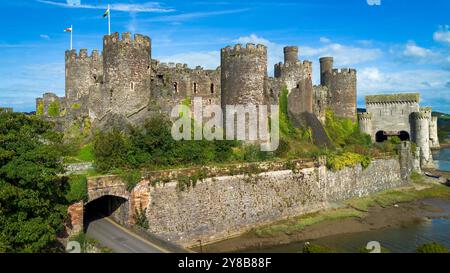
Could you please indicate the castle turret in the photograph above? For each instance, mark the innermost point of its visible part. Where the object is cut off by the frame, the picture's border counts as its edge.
(342, 95)
(127, 69)
(326, 69)
(422, 135)
(291, 54)
(365, 123)
(244, 72)
(82, 71)
(434, 133)
(243, 76)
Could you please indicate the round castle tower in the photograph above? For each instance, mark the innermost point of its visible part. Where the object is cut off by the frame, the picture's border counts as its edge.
(343, 93)
(127, 69)
(326, 69)
(244, 72)
(243, 81)
(290, 54)
(82, 71)
(422, 136)
(365, 123)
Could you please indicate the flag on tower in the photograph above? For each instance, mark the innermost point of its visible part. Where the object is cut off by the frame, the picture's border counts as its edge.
(106, 14)
(69, 29)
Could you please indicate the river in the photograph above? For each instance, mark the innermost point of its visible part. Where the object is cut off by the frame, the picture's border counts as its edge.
(398, 240)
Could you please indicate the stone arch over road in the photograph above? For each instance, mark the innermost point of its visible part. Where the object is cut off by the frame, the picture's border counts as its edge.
(106, 186)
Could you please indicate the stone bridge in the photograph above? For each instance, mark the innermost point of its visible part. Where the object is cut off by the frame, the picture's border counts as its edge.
(106, 185)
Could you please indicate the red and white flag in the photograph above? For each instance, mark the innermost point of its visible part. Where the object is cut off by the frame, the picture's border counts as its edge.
(68, 29)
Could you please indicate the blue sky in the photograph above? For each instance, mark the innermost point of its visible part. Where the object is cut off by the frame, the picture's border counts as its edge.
(398, 46)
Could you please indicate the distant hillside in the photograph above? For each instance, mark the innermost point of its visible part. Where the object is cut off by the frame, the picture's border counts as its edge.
(443, 125)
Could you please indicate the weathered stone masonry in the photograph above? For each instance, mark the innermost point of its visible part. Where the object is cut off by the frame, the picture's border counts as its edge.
(223, 206)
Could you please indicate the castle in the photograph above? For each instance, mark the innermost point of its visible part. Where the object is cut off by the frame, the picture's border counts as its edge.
(124, 85)
(400, 115)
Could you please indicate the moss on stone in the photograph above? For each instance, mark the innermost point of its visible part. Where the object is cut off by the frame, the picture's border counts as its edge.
(414, 97)
(53, 109)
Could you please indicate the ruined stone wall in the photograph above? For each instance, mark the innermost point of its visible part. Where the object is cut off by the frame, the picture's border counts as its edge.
(173, 83)
(320, 101)
(223, 206)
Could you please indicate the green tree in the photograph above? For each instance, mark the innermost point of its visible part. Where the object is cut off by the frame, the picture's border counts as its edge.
(32, 202)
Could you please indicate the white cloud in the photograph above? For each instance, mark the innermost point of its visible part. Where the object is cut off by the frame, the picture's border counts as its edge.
(343, 55)
(208, 60)
(74, 2)
(413, 50)
(274, 50)
(442, 35)
(192, 15)
(325, 40)
(44, 36)
(144, 8)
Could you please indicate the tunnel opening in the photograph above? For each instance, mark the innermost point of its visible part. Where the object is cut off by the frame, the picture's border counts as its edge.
(102, 207)
(404, 136)
(381, 136)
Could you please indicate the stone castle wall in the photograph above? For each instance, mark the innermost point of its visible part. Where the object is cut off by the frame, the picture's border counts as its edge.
(224, 206)
(123, 85)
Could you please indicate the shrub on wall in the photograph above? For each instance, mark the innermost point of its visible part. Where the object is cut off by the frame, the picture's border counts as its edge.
(53, 109)
(40, 109)
(347, 159)
(77, 189)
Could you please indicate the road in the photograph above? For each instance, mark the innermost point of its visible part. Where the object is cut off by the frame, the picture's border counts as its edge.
(119, 239)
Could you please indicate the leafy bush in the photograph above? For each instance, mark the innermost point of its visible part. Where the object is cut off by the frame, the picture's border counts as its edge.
(344, 131)
(432, 248)
(111, 150)
(130, 177)
(141, 218)
(347, 159)
(40, 109)
(53, 109)
(77, 189)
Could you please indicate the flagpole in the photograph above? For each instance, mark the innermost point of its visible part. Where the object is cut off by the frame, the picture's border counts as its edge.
(109, 21)
(71, 37)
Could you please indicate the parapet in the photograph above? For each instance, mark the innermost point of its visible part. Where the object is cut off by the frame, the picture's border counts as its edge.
(420, 115)
(365, 116)
(238, 48)
(139, 41)
(394, 98)
(344, 71)
(428, 109)
(326, 59)
(83, 55)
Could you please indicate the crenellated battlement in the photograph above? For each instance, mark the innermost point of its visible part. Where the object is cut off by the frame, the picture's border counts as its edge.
(139, 41)
(239, 49)
(73, 55)
(420, 115)
(393, 98)
(343, 71)
(365, 116)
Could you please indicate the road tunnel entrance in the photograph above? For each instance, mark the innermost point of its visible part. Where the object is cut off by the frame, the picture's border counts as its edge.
(105, 206)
